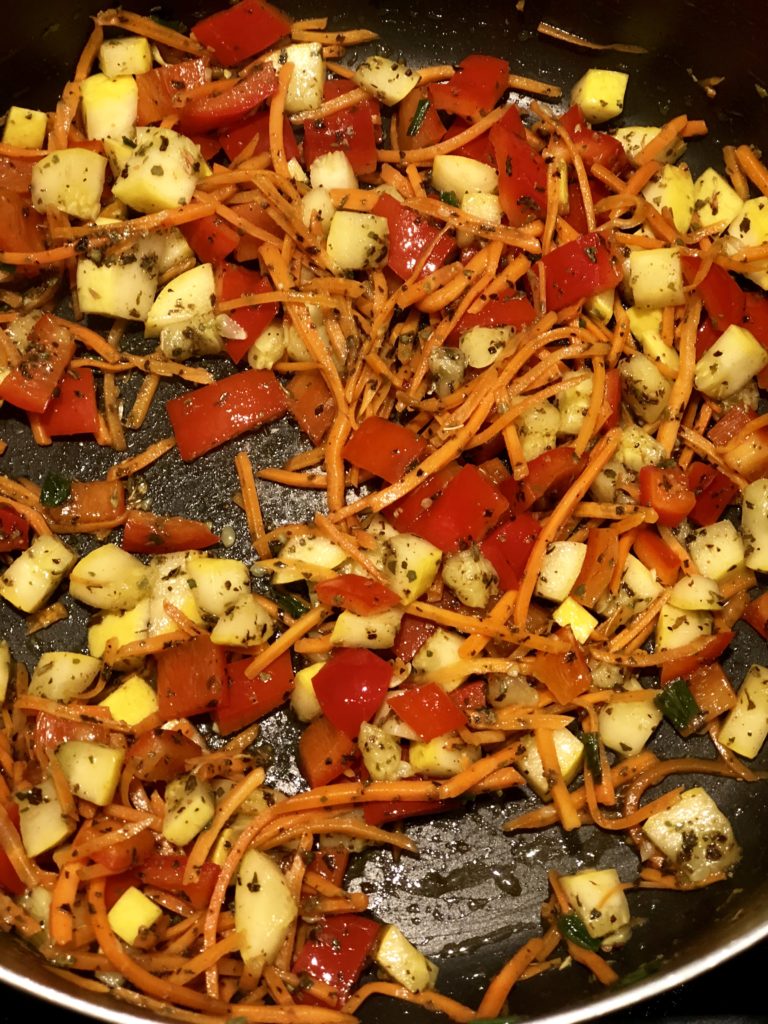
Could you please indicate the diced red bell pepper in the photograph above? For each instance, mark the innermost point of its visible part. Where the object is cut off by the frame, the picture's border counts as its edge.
(509, 547)
(510, 309)
(211, 238)
(126, 853)
(158, 87)
(565, 675)
(756, 615)
(331, 863)
(610, 410)
(325, 752)
(474, 90)
(337, 952)
(410, 235)
(468, 509)
(244, 701)
(729, 425)
(577, 214)
(711, 651)
(656, 554)
(190, 678)
(712, 690)
(549, 475)
(412, 634)
(235, 138)
(597, 568)
(214, 111)
(383, 448)
(404, 513)
(706, 336)
(351, 687)
(400, 810)
(667, 492)
(418, 122)
(233, 282)
(21, 226)
(9, 880)
(756, 316)
(209, 145)
(218, 412)
(89, 503)
(16, 174)
(356, 594)
(256, 214)
(479, 148)
(714, 493)
(31, 385)
(116, 885)
(428, 710)
(593, 147)
(14, 530)
(147, 534)
(159, 755)
(239, 32)
(579, 270)
(470, 696)
(166, 872)
(522, 176)
(311, 404)
(73, 409)
(350, 131)
(722, 297)
(50, 731)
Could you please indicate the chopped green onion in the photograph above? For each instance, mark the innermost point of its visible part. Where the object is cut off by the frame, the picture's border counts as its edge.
(449, 197)
(591, 741)
(573, 929)
(677, 704)
(418, 118)
(55, 490)
(294, 606)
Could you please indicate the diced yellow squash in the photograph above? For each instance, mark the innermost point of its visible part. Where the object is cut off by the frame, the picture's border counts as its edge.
(161, 173)
(317, 210)
(573, 405)
(381, 752)
(190, 295)
(91, 769)
(750, 228)
(471, 577)
(676, 628)
(581, 622)
(5, 669)
(189, 807)
(637, 448)
(538, 429)
(560, 568)
(599, 900)
(656, 277)
(438, 651)
(386, 79)
(133, 914)
(410, 564)
(599, 94)
(70, 180)
(485, 206)
(600, 306)
(42, 822)
(696, 593)
(109, 578)
(570, 754)
(357, 241)
(109, 105)
(734, 359)
(25, 128)
(199, 336)
(121, 288)
(62, 675)
(645, 325)
(442, 757)
(264, 910)
(375, 632)
(644, 388)
(217, 583)
(672, 188)
(305, 89)
(635, 137)
(745, 728)
(639, 582)
(717, 549)
(126, 55)
(714, 200)
(132, 701)
(268, 348)
(754, 524)
(312, 552)
(694, 836)
(246, 624)
(33, 575)
(122, 627)
(483, 345)
(332, 170)
(626, 726)
(304, 701)
(405, 964)
(173, 584)
(461, 174)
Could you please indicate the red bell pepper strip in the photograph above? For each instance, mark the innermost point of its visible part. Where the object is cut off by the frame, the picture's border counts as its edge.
(325, 752)
(9, 880)
(166, 872)
(384, 448)
(235, 138)
(126, 853)
(356, 594)
(399, 810)
(410, 235)
(593, 147)
(479, 149)
(565, 675)
(722, 297)
(711, 651)
(597, 568)
(31, 385)
(412, 634)
(667, 492)
(418, 122)
(240, 32)
(656, 554)
(311, 404)
(351, 687)
(549, 475)
(706, 336)
(578, 270)
(158, 87)
(215, 413)
(233, 282)
(714, 493)
(14, 530)
(16, 174)
(429, 711)
(147, 534)
(510, 309)
(21, 226)
(470, 696)
(756, 316)
(73, 409)
(50, 731)
(211, 238)
(116, 885)
(577, 215)
(522, 175)
(190, 678)
(474, 90)
(350, 131)
(756, 614)
(468, 509)
(214, 111)
(244, 701)
(610, 410)
(509, 547)
(337, 952)
(160, 755)
(404, 513)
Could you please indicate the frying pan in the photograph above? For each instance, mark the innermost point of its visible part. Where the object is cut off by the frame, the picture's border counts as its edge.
(473, 896)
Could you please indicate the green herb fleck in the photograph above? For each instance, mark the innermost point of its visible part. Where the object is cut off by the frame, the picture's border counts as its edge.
(55, 490)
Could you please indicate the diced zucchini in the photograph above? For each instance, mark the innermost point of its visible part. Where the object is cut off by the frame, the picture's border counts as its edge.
(304, 701)
(694, 836)
(600, 901)
(381, 754)
(442, 757)
(696, 594)
(645, 325)
(122, 627)
(581, 622)
(538, 429)
(574, 405)
(410, 564)
(376, 632)
(109, 105)
(644, 388)
(191, 294)
(386, 79)
(460, 174)
(656, 277)
(626, 726)
(63, 675)
(357, 241)
(676, 628)
(735, 358)
(161, 172)
(246, 624)
(42, 822)
(438, 651)
(754, 524)
(560, 568)
(672, 188)
(5, 669)
(634, 138)
(599, 94)
(483, 345)
(332, 170)
(717, 549)
(264, 910)
(714, 200)
(132, 701)
(217, 583)
(268, 348)
(70, 180)
(471, 577)
(317, 209)
(133, 914)
(172, 584)
(403, 962)
(91, 769)
(750, 228)
(637, 448)
(189, 807)
(25, 128)
(305, 89)
(109, 578)
(570, 754)
(745, 729)
(122, 288)
(315, 551)
(127, 55)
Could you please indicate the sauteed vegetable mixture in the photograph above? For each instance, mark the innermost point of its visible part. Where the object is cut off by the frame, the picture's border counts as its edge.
(525, 352)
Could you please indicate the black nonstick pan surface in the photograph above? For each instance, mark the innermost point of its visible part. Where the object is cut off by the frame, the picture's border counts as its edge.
(473, 896)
